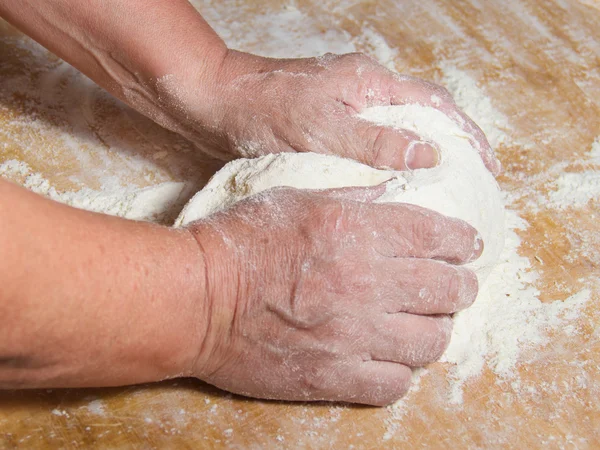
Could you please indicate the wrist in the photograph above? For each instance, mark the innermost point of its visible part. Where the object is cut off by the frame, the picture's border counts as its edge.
(217, 313)
(214, 113)
(184, 316)
(181, 93)
(95, 300)
(155, 304)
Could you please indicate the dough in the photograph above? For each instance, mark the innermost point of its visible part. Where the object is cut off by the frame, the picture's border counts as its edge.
(459, 187)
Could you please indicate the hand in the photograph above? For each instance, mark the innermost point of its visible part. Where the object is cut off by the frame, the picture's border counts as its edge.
(324, 295)
(260, 105)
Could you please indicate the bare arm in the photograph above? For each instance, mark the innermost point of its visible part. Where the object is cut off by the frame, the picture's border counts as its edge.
(92, 300)
(126, 46)
(163, 59)
(282, 309)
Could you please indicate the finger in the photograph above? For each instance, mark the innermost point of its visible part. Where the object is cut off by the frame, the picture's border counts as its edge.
(411, 339)
(480, 142)
(401, 90)
(396, 89)
(423, 286)
(356, 193)
(384, 147)
(410, 231)
(376, 383)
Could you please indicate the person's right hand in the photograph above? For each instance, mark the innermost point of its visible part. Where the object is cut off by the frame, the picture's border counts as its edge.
(325, 295)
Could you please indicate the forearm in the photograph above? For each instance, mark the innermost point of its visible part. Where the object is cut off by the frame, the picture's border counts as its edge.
(93, 300)
(139, 50)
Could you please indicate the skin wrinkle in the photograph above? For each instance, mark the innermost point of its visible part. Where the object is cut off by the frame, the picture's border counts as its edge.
(324, 309)
(330, 313)
(289, 83)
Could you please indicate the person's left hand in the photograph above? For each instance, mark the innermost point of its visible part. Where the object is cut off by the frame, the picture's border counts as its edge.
(257, 105)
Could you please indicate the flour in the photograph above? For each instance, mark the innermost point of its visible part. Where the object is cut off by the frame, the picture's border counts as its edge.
(96, 407)
(594, 156)
(459, 187)
(575, 189)
(374, 44)
(507, 316)
(505, 327)
(302, 35)
(151, 203)
(473, 101)
(244, 177)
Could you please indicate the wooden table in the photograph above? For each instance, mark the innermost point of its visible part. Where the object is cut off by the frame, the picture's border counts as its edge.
(539, 63)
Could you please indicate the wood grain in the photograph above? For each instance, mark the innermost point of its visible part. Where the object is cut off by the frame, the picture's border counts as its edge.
(539, 63)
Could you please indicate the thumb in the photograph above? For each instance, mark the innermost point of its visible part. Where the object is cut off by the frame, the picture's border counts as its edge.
(383, 147)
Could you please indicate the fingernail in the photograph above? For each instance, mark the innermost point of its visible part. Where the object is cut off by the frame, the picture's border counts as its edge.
(467, 291)
(477, 248)
(498, 167)
(421, 155)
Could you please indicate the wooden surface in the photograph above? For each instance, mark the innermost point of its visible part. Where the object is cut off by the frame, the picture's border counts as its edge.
(539, 63)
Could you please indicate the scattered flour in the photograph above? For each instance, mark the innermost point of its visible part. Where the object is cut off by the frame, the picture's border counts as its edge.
(96, 407)
(150, 203)
(594, 156)
(508, 317)
(375, 45)
(575, 189)
(58, 412)
(398, 410)
(302, 34)
(265, 34)
(475, 103)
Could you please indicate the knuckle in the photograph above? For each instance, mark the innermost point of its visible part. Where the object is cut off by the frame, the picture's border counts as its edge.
(403, 382)
(329, 217)
(318, 381)
(349, 278)
(376, 144)
(461, 241)
(282, 190)
(425, 233)
(472, 244)
(460, 288)
(279, 193)
(387, 146)
(358, 57)
(358, 60)
(279, 200)
(453, 288)
(443, 93)
(401, 385)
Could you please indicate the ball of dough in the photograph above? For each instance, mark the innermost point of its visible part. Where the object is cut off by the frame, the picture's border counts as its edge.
(460, 186)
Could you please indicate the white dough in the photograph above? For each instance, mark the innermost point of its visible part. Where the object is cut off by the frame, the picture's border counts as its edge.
(459, 187)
